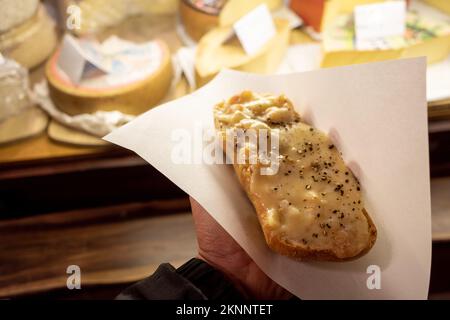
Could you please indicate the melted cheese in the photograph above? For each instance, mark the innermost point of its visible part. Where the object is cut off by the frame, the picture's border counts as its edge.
(314, 200)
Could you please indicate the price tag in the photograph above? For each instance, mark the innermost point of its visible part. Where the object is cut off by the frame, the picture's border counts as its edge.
(255, 29)
(379, 20)
(74, 59)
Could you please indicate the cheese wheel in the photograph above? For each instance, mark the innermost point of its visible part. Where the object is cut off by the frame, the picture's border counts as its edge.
(197, 22)
(132, 96)
(31, 43)
(14, 13)
(214, 53)
(425, 36)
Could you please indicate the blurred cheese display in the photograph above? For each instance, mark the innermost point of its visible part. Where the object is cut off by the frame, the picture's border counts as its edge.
(19, 118)
(316, 13)
(133, 77)
(201, 16)
(427, 34)
(27, 33)
(16, 12)
(98, 15)
(214, 53)
(443, 5)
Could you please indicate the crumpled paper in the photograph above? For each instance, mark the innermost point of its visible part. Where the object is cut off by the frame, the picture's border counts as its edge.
(98, 124)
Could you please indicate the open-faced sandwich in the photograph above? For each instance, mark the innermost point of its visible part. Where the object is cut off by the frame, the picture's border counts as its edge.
(310, 207)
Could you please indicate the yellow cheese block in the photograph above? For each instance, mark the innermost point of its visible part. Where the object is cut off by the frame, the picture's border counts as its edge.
(343, 58)
(97, 15)
(443, 5)
(31, 43)
(423, 37)
(134, 97)
(214, 53)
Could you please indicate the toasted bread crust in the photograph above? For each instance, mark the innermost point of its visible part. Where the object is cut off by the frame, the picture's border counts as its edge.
(281, 245)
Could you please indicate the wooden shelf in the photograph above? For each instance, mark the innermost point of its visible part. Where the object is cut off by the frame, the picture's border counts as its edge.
(112, 245)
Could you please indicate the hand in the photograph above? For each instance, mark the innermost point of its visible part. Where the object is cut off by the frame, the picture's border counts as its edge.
(221, 251)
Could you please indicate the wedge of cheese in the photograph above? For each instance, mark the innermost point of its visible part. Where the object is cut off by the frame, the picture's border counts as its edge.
(32, 42)
(215, 53)
(133, 92)
(425, 36)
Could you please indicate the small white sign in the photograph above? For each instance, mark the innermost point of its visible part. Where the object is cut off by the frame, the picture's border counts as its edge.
(255, 29)
(74, 59)
(379, 20)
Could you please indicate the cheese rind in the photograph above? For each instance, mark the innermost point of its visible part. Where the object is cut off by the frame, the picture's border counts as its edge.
(28, 123)
(196, 22)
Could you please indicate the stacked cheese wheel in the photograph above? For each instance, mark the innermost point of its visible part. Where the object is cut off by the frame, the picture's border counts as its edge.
(130, 93)
(27, 33)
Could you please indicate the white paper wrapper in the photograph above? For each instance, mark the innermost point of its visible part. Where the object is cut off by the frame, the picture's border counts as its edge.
(377, 116)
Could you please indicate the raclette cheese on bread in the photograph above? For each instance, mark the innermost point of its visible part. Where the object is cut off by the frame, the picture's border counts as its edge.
(312, 208)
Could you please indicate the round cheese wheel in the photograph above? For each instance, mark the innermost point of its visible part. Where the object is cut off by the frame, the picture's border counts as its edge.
(32, 42)
(16, 12)
(128, 93)
(197, 22)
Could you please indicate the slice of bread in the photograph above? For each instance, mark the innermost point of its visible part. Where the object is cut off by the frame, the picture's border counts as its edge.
(309, 204)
